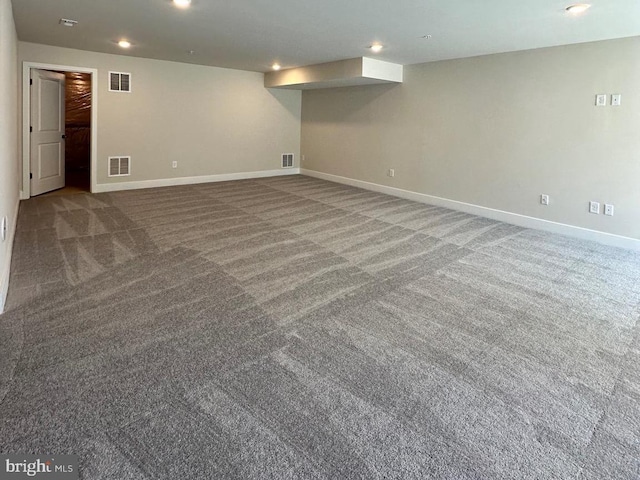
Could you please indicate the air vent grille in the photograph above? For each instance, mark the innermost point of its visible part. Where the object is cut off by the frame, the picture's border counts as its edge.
(119, 82)
(119, 166)
(287, 160)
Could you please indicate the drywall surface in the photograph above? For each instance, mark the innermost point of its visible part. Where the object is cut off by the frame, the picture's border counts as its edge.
(496, 131)
(354, 71)
(343, 69)
(8, 139)
(210, 120)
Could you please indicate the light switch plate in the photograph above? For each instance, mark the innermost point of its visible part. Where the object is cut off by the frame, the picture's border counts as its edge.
(608, 209)
(616, 99)
(601, 100)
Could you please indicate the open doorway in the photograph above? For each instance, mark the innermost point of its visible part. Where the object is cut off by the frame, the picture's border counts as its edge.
(77, 132)
(68, 117)
(60, 132)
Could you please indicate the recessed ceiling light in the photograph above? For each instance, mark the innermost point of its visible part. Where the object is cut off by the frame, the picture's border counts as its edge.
(124, 43)
(182, 3)
(577, 8)
(276, 66)
(67, 22)
(376, 47)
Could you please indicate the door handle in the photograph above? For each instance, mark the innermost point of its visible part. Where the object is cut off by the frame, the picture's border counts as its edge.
(64, 136)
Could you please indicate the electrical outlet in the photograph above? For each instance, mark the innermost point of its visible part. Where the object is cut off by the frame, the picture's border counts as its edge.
(392, 172)
(616, 99)
(594, 207)
(608, 209)
(544, 199)
(174, 164)
(3, 228)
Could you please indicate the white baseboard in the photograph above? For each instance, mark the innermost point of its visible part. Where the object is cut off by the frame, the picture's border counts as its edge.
(171, 182)
(501, 215)
(6, 271)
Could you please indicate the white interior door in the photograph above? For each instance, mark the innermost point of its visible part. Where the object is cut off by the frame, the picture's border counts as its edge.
(47, 131)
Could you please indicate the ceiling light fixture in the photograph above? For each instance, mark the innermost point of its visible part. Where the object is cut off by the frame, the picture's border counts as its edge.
(67, 22)
(182, 3)
(276, 66)
(124, 43)
(577, 8)
(376, 47)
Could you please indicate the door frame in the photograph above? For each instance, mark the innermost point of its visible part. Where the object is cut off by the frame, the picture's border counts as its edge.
(25, 191)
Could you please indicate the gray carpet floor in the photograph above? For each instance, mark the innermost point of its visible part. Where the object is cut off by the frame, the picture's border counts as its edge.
(292, 328)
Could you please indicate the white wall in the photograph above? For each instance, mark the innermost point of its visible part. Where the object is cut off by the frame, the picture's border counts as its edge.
(211, 120)
(8, 138)
(495, 131)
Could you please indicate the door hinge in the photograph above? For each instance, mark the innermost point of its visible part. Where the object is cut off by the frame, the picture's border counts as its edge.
(30, 175)
(30, 129)
(31, 81)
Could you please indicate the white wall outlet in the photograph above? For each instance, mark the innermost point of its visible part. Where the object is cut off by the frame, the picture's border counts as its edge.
(594, 207)
(608, 209)
(3, 228)
(616, 99)
(601, 100)
(544, 199)
(174, 164)
(391, 172)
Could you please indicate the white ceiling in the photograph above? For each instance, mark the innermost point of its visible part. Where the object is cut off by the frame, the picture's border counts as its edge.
(252, 34)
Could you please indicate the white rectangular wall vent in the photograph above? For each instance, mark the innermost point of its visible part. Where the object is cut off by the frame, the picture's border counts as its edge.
(119, 166)
(119, 82)
(287, 160)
